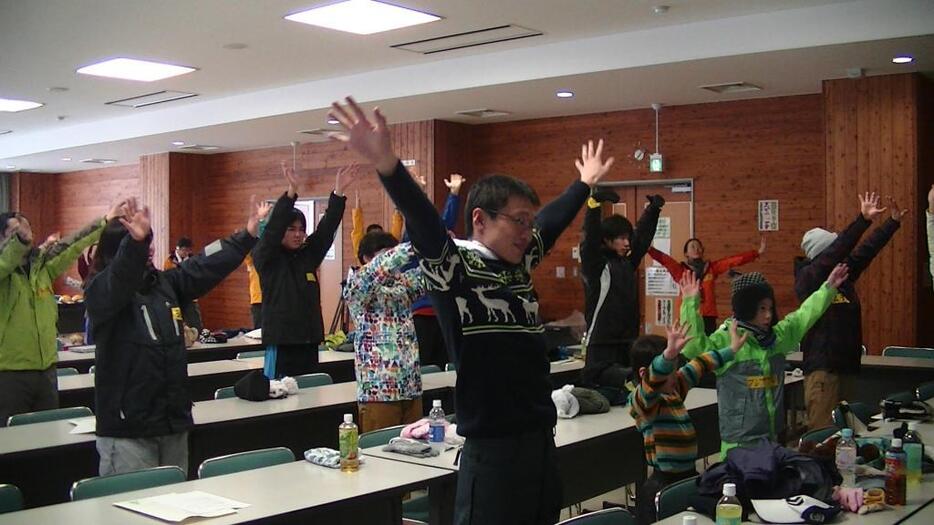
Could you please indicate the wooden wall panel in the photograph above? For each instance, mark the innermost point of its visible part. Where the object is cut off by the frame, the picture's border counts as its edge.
(871, 145)
(737, 153)
(34, 196)
(186, 193)
(453, 153)
(154, 192)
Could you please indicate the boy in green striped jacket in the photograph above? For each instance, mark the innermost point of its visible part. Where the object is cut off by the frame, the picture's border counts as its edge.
(657, 404)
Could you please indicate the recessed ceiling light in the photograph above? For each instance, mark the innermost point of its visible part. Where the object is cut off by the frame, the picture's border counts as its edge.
(66, 159)
(178, 142)
(903, 59)
(660, 9)
(99, 161)
(132, 69)
(563, 93)
(235, 46)
(363, 17)
(57, 89)
(12, 105)
(333, 121)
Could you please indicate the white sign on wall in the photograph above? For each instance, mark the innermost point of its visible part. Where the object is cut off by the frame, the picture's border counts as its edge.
(768, 216)
(664, 311)
(658, 282)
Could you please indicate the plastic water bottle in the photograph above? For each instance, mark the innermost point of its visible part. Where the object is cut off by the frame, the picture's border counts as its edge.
(846, 458)
(914, 452)
(350, 452)
(729, 509)
(436, 425)
(895, 474)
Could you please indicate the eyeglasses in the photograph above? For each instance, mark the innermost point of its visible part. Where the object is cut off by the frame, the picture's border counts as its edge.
(522, 222)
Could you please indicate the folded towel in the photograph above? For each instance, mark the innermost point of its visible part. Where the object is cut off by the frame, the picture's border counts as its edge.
(565, 402)
(326, 457)
(411, 447)
(287, 386)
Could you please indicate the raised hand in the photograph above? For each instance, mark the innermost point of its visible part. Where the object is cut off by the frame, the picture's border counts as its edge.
(761, 244)
(897, 213)
(289, 175)
(136, 220)
(454, 183)
(656, 200)
(345, 177)
(869, 205)
(736, 340)
(50, 240)
(117, 210)
(258, 212)
(689, 284)
(591, 166)
(677, 338)
(369, 139)
(838, 276)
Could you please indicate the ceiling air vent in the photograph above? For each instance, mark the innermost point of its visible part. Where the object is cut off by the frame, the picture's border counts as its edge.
(731, 87)
(480, 37)
(149, 99)
(482, 113)
(198, 147)
(99, 161)
(5, 131)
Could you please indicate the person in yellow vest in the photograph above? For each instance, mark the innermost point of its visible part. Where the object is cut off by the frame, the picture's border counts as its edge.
(256, 291)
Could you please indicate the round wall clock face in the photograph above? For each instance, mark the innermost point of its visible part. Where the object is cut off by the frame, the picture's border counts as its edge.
(639, 154)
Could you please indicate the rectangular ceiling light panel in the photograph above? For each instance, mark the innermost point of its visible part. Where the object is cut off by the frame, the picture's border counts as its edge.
(490, 35)
(362, 17)
(13, 105)
(151, 98)
(132, 69)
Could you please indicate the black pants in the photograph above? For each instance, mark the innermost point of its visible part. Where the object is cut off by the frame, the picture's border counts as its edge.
(293, 360)
(511, 480)
(645, 501)
(256, 310)
(24, 391)
(431, 348)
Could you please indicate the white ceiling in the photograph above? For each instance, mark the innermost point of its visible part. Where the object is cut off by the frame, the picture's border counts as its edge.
(612, 54)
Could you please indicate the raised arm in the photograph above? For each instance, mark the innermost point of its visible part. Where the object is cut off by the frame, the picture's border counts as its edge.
(699, 341)
(372, 141)
(721, 266)
(673, 266)
(451, 204)
(62, 254)
(384, 269)
(113, 288)
(795, 325)
(645, 229)
(319, 242)
(278, 222)
(356, 221)
(862, 256)
(14, 247)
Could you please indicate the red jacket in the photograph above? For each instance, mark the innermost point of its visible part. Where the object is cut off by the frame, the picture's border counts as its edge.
(714, 269)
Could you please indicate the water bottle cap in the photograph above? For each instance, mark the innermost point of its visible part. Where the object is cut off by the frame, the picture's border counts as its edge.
(436, 403)
(729, 489)
(689, 520)
(896, 443)
(348, 418)
(847, 433)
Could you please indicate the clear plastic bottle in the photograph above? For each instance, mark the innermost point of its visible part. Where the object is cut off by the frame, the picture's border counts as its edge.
(436, 425)
(895, 474)
(347, 436)
(729, 509)
(914, 453)
(846, 458)
(689, 520)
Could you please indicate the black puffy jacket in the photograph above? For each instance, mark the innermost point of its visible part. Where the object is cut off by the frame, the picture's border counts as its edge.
(136, 320)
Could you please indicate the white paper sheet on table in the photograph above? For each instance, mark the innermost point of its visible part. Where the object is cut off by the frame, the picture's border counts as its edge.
(181, 506)
(83, 425)
(255, 334)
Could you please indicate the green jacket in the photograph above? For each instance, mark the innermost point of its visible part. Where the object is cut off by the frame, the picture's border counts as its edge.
(750, 388)
(28, 310)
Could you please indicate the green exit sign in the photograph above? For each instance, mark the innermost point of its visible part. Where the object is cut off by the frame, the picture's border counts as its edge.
(655, 163)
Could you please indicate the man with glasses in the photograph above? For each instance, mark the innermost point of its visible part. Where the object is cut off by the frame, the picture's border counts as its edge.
(488, 310)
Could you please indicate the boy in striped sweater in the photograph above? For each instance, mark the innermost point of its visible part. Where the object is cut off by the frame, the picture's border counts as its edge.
(657, 404)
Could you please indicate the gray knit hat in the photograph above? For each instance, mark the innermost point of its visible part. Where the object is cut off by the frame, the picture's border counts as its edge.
(815, 241)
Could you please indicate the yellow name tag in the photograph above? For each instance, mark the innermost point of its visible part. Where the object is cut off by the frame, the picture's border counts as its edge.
(177, 313)
(761, 382)
(310, 277)
(840, 299)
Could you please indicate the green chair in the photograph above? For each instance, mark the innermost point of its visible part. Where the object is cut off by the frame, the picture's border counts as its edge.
(904, 397)
(125, 482)
(241, 461)
(925, 391)
(450, 367)
(908, 351)
(66, 371)
(254, 353)
(415, 508)
(818, 435)
(379, 437)
(11, 499)
(614, 516)
(224, 393)
(676, 497)
(310, 380)
(43, 416)
(430, 369)
(861, 410)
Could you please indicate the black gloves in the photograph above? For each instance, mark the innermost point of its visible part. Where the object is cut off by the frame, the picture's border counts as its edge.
(605, 195)
(655, 200)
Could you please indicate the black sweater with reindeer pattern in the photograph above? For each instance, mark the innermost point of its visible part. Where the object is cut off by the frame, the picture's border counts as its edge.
(488, 312)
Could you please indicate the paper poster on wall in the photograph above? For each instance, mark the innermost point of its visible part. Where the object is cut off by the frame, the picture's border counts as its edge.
(663, 230)
(768, 216)
(658, 282)
(663, 311)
